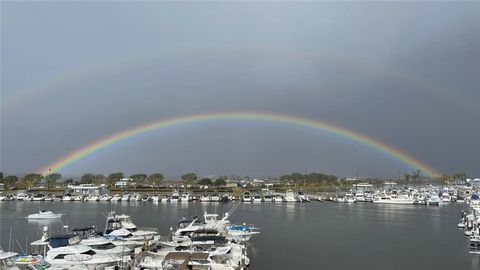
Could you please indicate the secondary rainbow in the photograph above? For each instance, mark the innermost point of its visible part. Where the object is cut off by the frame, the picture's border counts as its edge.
(93, 148)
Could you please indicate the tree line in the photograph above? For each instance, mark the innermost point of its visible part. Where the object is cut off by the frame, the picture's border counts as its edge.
(50, 181)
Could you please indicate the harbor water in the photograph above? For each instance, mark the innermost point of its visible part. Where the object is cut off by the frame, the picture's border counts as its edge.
(293, 236)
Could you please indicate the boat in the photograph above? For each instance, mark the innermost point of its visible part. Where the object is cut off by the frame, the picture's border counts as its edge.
(8, 260)
(65, 250)
(44, 214)
(394, 199)
(38, 197)
(186, 197)
(289, 196)
(257, 198)
(434, 199)
(302, 197)
(446, 198)
(175, 196)
(205, 198)
(246, 197)
(67, 197)
(215, 197)
(22, 197)
(277, 198)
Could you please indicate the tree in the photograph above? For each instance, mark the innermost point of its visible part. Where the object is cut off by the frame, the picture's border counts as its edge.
(113, 178)
(88, 178)
(155, 179)
(189, 178)
(98, 179)
(51, 180)
(221, 181)
(68, 182)
(10, 181)
(30, 180)
(205, 182)
(139, 178)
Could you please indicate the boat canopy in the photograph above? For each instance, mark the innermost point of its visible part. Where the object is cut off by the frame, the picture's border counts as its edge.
(63, 240)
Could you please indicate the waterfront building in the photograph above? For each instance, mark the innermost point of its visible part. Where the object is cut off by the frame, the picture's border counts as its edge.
(87, 189)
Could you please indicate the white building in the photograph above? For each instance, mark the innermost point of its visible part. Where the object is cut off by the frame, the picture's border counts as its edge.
(124, 183)
(87, 189)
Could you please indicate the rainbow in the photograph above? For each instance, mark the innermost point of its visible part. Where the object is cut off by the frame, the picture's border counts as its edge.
(93, 148)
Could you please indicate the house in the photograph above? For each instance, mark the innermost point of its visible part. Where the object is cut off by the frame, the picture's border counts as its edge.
(125, 183)
(87, 189)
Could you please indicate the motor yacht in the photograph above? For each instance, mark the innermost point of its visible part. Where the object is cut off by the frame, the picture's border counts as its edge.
(22, 197)
(175, 197)
(7, 260)
(246, 197)
(257, 198)
(289, 196)
(44, 214)
(186, 197)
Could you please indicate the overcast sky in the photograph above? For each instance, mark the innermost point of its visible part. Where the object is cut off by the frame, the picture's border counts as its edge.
(404, 73)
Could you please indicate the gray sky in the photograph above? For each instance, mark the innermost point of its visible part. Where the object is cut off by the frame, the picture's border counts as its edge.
(404, 73)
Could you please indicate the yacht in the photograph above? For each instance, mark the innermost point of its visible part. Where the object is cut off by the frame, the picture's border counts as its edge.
(215, 197)
(175, 196)
(289, 196)
(7, 260)
(44, 214)
(67, 197)
(38, 197)
(126, 197)
(434, 199)
(67, 251)
(99, 244)
(22, 197)
(446, 198)
(186, 197)
(155, 198)
(277, 198)
(205, 198)
(246, 197)
(257, 198)
(302, 197)
(394, 199)
(105, 198)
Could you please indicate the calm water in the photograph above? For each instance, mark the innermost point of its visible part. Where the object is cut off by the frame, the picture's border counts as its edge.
(293, 236)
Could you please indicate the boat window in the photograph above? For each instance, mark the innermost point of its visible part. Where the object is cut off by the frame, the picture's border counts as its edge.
(60, 256)
(90, 252)
(104, 246)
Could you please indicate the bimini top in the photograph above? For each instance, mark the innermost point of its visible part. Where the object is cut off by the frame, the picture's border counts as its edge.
(474, 196)
(63, 240)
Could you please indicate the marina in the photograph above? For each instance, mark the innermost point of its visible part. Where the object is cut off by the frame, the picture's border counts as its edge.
(172, 230)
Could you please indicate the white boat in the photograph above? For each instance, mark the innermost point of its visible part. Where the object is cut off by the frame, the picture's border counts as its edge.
(156, 198)
(126, 197)
(175, 196)
(289, 196)
(246, 197)
(44, 214)
(22, 197)
(67, 255)
(7, 260)
(67, 197)
(116, 198)
(302, 197)
(38, 197)
(205, 198)
(434, 199)
(186, 197)
(446, 198)
(277, 198)
(257, 198)
(394, 199)
(215, 197)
